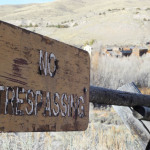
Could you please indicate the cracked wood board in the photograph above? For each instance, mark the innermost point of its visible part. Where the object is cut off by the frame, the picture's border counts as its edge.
(44, 84)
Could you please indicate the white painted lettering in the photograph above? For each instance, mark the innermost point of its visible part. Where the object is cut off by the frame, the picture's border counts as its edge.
(43, 62)
(81, 114)
(48, 104)
(2, 88)
(56, 96)
(73, 106)
(37, 94)
(8, 89)
(19, 101)
(52, 56)
(59, 104)
(64, 97)
(29, 101)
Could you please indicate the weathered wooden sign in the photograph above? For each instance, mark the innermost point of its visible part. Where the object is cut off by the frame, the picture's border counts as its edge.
(44, 84)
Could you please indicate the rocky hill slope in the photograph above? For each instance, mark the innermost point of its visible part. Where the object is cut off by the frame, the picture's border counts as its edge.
(75, 22)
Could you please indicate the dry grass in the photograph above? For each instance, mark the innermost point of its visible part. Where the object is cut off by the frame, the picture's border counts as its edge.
(145, 90)
(105, 132)
(112, 72)
(94, 19)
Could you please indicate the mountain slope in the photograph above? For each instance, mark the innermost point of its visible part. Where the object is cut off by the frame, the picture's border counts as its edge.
(111, 22)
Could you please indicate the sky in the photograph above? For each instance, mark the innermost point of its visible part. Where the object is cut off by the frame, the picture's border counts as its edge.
(14, 2)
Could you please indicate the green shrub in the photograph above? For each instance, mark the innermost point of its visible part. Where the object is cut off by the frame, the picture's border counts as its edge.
(30, 25)
(63, 22)
(36, 25)
(91, 42)
(58, 26)
(76, 24)
(147, 9)
(27, 26)
(86, 43)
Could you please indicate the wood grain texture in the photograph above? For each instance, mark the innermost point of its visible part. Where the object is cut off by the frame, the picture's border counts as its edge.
(133, 124)
(19, 67)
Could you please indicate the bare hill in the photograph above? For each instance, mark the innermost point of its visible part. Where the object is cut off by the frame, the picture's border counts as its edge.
(75, 22)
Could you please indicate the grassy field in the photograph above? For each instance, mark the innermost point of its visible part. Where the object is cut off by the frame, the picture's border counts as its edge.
(145, 90)
(105, 132)
(112, 72)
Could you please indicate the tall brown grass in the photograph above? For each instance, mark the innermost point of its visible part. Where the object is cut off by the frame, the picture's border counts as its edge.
(112, 72)
(145, 90)
(100, 135)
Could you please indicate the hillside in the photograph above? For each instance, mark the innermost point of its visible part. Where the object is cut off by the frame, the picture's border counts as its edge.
(75, 22)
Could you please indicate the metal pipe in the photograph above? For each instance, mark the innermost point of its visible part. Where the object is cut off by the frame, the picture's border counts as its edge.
(115, 97)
